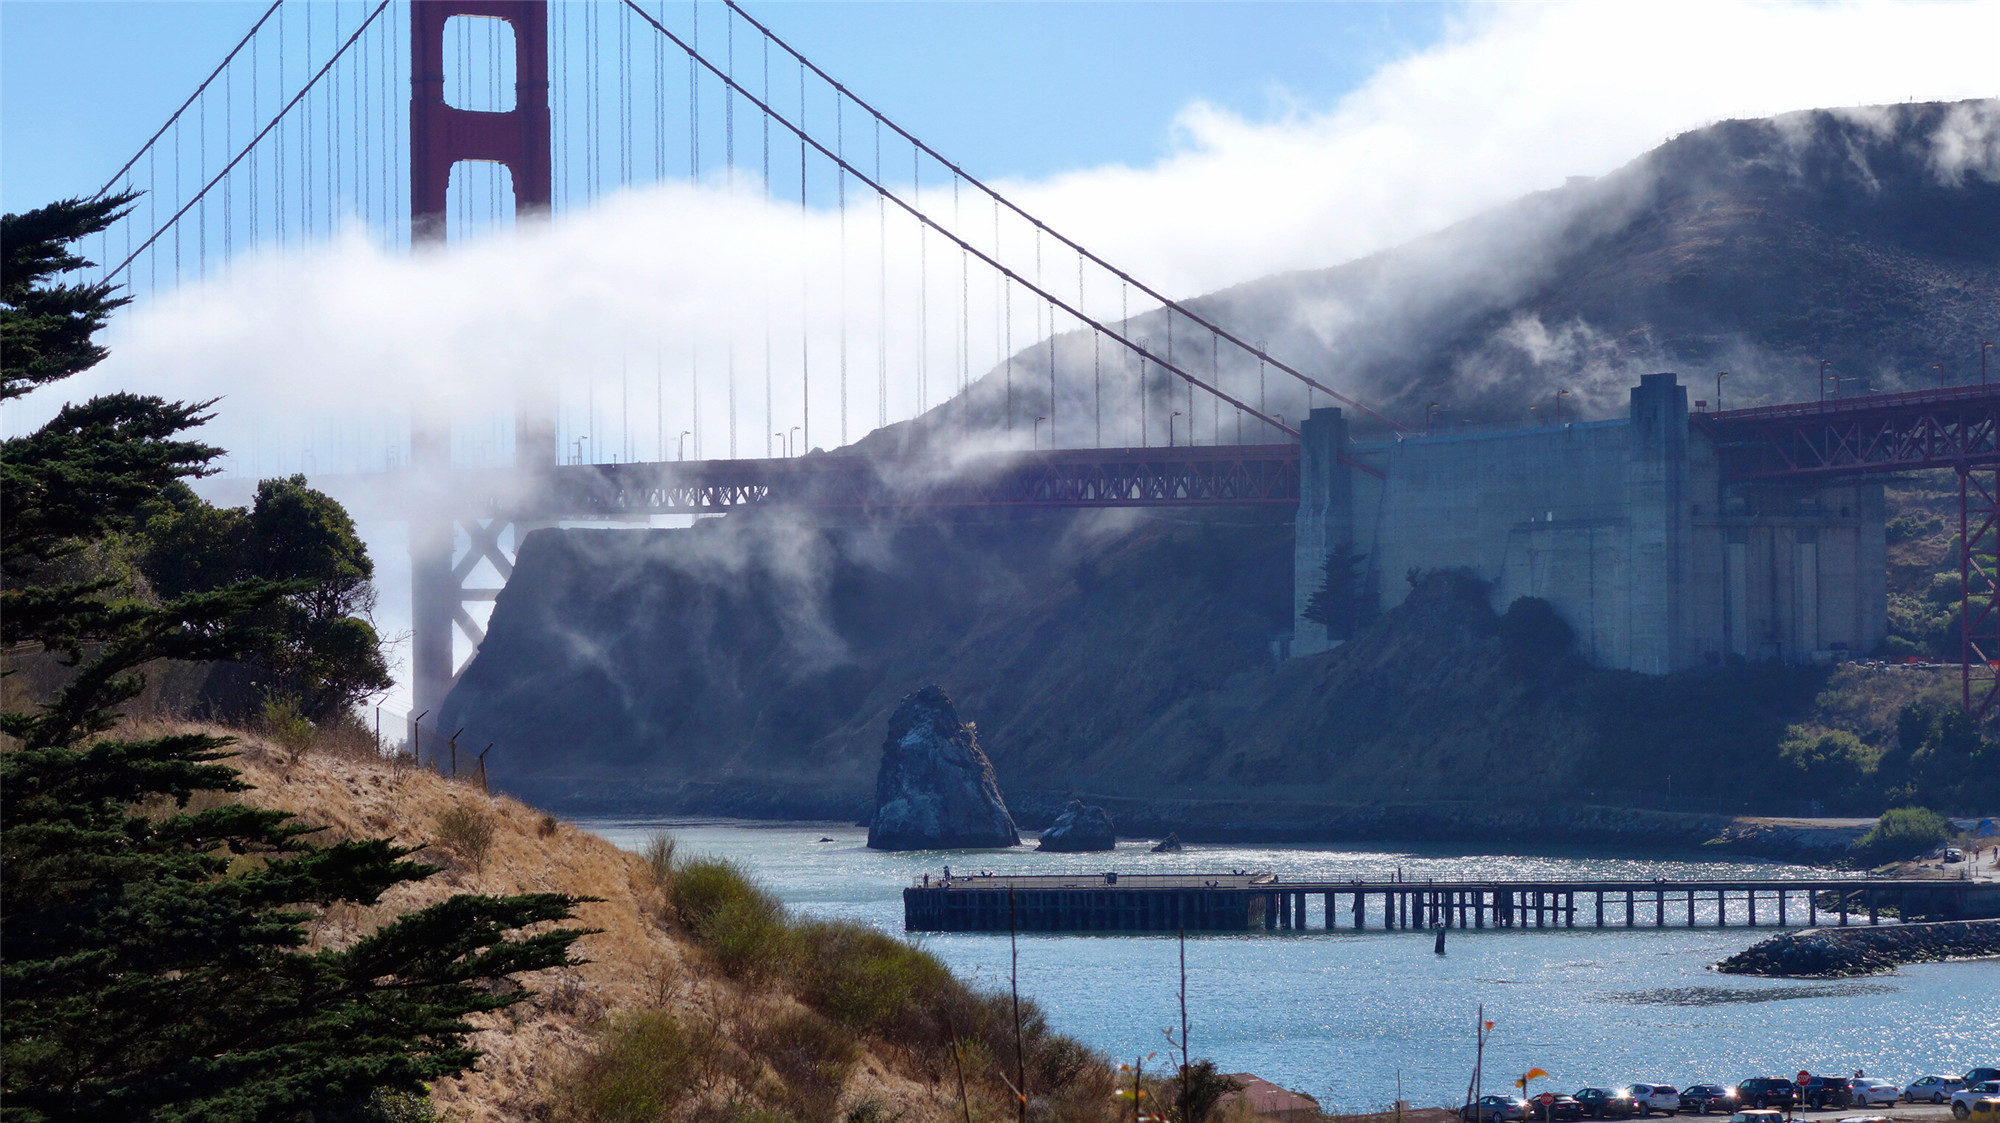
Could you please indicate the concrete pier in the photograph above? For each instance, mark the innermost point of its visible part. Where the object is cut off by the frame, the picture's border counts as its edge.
(1242, 902)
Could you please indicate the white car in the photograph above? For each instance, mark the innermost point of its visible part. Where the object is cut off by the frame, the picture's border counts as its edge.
(1657, 1097)
(1932, 1089)
(1869, 1091)
(1962, 1101)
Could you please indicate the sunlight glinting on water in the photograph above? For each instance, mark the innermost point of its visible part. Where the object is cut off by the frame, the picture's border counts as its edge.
(1343, 1015)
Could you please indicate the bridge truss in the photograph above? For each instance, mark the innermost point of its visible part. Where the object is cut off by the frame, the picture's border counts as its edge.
(1956, 428)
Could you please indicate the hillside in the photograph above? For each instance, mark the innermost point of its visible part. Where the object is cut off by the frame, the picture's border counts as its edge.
(665, 1012)
(1866, 236)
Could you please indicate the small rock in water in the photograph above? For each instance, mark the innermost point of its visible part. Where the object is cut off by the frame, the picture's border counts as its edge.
(936, 789)
(1080, 827)
(1169, 845)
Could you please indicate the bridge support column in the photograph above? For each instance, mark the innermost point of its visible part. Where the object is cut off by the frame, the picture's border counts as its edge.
(1325, 522)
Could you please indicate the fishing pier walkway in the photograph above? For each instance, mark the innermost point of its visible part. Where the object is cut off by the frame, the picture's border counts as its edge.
(1243, 902)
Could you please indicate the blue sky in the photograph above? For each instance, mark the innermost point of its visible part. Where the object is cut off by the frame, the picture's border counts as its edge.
(1015, 90)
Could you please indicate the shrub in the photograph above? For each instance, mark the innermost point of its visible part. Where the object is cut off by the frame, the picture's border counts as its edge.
(643, 1067)
(659, 855)
(1531, 626)
(1904, 832)
(1912, 525)
(285, 723)
(867, 979)
(811, 1058)
(467, 831)
(742, 926)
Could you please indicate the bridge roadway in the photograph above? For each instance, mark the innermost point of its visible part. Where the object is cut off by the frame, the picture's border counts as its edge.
(1239, 901)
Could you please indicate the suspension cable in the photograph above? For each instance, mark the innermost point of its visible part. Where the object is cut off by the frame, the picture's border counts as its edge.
(1010, 205)
(261, 133)
(805, 139)
(198, 91)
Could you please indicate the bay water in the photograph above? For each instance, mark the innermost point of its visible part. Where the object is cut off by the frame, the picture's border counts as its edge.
(1350, 1017)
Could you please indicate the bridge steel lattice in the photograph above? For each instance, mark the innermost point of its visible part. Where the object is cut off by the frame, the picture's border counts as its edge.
(1956, 428)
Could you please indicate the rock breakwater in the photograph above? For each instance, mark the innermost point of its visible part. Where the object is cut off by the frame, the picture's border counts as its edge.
(1831, 953)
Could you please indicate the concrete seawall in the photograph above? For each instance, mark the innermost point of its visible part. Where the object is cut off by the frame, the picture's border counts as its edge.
(1826, 953)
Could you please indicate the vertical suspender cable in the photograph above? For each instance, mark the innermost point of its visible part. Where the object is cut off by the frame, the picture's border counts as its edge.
(840, 203)
(881, 292)
(805, 323)
(770, 398)
(923, 290)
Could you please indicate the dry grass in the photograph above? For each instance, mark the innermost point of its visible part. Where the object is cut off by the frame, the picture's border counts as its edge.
(642, 970)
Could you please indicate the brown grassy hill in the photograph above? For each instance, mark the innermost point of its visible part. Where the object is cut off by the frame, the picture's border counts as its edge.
(681, 1013)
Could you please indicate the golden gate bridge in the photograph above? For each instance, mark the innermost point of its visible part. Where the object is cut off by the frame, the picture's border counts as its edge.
(431, 120)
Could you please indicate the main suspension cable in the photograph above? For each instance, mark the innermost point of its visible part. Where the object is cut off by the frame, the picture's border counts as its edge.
(1172, 305)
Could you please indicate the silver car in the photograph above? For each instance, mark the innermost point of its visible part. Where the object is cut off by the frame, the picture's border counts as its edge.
(1656, 1097)
(1869, 1091)
(1932, 1089)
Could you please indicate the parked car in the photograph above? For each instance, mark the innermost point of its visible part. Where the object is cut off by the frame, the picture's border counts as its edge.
(1554, 1107)
(1981, 1076)
(1953, 854)
(1869, 1091)
(1496, 1109)
(1962, 1100)
(1656, 1097)
(1986, 1109)
(1607, 1103)
(1865, 1119)
(1704, 1098)
(1766, 1091)
(1822, 1092)
(1932, 1089)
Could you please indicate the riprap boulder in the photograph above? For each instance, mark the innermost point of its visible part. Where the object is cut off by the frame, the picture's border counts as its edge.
(1080, 827)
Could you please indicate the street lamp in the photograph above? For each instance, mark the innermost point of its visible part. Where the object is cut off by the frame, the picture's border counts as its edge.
(1430, 411)
(1823, 364)
(1560, 395)
(1719, 376)
(781, 441)
(1982, 362)
(683, 445)
(1939, 367)
(1035, 441)
(1170, 428)
(577, 445)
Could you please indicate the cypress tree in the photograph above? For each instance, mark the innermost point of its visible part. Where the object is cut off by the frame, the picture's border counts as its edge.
(152, 947)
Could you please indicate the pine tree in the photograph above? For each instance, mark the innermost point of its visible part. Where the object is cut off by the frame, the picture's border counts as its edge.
(151, 962)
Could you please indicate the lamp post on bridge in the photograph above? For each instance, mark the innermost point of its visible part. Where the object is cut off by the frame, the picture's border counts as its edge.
(1560, 395)
(1035, 440)
(1430, 411)
(791, 450)
(576, 456)
(1170, 428)
(1719, 376)
(1939, 367)
(682, 445)
(1823, 364)
(1983, 348)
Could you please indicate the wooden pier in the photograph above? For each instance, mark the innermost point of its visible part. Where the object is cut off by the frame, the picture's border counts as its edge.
(1248, 902)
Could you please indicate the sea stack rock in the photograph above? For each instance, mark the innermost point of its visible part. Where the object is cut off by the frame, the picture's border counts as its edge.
(1080, 827)
(936, 790)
